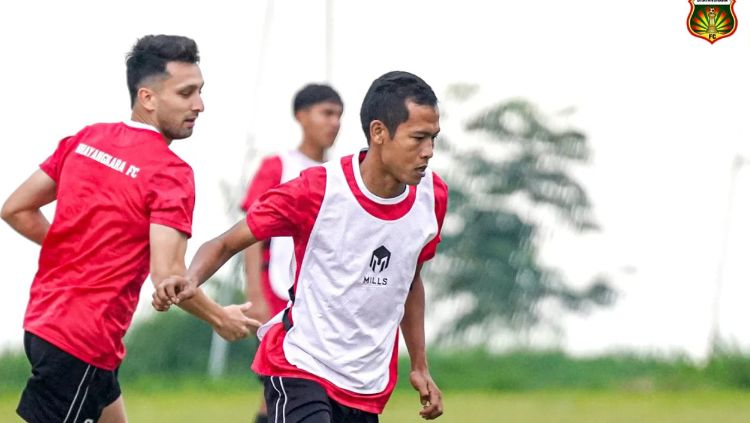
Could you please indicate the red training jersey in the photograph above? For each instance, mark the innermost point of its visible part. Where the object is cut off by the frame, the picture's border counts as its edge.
(113, 181)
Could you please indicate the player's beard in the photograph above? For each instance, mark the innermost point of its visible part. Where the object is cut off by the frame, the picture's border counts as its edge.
(177, 132)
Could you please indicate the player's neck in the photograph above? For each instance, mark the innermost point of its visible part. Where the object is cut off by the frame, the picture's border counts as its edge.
(377, 180)
(138, 116)
(312, 151)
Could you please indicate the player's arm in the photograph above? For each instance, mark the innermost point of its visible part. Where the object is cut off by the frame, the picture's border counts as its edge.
(209, 258)
(253, 271)
(168, 247)
(232, 322)
(412, 328)
(22, 210)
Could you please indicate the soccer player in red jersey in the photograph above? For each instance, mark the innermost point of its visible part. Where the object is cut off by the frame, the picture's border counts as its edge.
(269, 264)
(362, 227)
(124, 209)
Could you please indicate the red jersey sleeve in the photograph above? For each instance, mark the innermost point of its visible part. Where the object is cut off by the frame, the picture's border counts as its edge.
(290, 209)
(53, 165)
(171, 197)
(441, 206)
(267, 177)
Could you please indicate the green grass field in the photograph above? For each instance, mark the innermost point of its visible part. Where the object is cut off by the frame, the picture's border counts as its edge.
(531, 387)
(192, 405)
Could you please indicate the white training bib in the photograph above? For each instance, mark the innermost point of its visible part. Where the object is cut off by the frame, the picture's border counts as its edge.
(353, 283)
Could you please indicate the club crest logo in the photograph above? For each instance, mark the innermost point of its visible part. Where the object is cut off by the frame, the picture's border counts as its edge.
(712, 20)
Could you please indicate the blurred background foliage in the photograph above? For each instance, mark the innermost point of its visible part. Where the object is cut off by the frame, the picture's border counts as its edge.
(510, 175)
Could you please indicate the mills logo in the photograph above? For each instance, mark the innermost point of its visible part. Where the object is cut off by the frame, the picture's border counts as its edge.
(712, 20)
(380, 259)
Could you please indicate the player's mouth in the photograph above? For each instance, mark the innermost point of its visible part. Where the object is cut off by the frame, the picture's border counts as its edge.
(190, 122)
(422, 170)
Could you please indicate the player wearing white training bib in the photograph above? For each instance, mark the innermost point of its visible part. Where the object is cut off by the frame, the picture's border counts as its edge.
(340, 221)
(278, 255)
(362, 228)
(373, 278)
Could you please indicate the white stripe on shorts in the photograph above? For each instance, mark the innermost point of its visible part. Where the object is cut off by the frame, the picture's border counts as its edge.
(276, 416)
(82, 401)
(77, 392)
(283, 409)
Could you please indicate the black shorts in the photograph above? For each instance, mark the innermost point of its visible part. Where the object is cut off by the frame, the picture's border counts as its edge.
(293, 400)
(63, 388)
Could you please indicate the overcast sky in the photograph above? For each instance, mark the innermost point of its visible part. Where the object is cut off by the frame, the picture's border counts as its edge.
(665, 113)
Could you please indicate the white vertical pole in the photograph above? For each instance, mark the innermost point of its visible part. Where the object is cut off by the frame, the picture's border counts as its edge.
(329, 41)
(715, 331)
(217, 355)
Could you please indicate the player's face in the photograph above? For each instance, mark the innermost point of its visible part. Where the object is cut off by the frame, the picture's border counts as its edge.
(321, 123)
(407, 153)
(178, 100)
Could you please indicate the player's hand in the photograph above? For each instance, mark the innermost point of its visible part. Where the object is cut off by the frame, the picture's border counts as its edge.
(157, 304)
(235, 323)
(172, 290)
(429, 394)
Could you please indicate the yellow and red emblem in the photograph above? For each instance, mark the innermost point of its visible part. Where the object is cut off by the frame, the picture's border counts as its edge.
(712, 20)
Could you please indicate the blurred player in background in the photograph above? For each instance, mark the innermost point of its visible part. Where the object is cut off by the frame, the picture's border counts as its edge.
(269, 265)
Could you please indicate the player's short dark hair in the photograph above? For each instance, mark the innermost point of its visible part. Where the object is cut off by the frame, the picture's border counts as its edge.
(312, 94)
(150, 55)
(386, 100)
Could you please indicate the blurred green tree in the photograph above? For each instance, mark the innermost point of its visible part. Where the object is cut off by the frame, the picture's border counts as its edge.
(509, 174)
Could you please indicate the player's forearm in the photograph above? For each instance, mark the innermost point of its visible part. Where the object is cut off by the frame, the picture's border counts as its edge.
(22, 210)
(209, 258)
(32, 224)
(161, 270)
(412, 326)
(204, 308)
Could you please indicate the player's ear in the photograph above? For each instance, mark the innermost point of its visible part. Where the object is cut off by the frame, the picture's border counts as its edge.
(378, 132)
(300, 115)
(146, 97)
